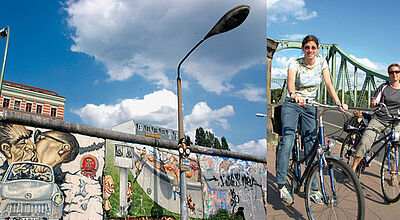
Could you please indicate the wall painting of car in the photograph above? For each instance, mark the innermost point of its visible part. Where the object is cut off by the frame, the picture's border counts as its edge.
(28, 191)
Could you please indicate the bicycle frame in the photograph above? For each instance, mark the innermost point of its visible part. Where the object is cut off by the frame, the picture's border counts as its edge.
(380, 148)
(318, 150)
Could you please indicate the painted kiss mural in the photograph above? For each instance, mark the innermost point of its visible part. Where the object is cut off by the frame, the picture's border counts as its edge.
(49, 174)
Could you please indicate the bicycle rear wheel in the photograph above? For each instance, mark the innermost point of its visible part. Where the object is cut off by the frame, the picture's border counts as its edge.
(390, 177)
(344, 196)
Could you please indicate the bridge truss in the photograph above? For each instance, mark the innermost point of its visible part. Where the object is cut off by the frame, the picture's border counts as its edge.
(346, 74)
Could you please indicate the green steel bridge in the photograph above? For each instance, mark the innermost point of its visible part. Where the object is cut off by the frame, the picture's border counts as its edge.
(344, 81)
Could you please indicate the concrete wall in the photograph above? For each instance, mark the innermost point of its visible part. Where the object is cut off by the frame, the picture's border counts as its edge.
(58, 175)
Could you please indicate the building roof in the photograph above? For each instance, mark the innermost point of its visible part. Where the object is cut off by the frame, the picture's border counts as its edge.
(31, 88)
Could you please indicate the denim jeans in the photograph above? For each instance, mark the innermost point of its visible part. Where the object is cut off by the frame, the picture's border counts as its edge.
(290, 118)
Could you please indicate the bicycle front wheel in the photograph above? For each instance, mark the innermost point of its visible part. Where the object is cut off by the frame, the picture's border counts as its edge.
(344, 198)
(390, 176)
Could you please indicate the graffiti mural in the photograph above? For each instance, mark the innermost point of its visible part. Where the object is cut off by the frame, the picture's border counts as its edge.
(235, 185)
(42, 175)
(145, 182)
(48, 174)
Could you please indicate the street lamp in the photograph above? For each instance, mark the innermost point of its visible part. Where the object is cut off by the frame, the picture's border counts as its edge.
(229, 21)
(5, 32)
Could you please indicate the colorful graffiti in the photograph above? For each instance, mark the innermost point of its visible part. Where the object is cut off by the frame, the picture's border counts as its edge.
(219, 183)
(47, 174)
(41, 176)
(235, 185)
(153, 174)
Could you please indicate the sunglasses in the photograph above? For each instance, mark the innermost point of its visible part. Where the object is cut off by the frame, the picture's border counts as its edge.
(308, 48)
(38, 133)
(393, 72)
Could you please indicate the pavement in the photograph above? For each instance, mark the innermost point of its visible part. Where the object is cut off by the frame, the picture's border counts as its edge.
(376, 207)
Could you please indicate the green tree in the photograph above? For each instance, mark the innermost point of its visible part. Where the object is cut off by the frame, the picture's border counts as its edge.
(217, 145)
(200, 137)
(188, 140)
(276, 95)
(224, 144)
(208, 139)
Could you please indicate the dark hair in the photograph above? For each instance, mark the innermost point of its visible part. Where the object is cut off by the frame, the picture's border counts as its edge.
(5, 129)
(72, 142)
(309, 38)
(392, 65)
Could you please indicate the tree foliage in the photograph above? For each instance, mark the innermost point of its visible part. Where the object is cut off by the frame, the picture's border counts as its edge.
(276, 95)
(207, 139)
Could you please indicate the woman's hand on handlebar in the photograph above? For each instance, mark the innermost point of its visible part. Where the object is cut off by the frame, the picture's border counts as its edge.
(374, 102)
(344, 106)
(299, 100)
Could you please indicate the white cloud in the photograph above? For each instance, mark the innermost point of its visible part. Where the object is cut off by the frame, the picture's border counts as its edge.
(294, 37)
(280, 65)
(149, 38)
(157, 108)
(252, 93)
(252, 147)
(379, 67)
(203, 116)
(282, 10)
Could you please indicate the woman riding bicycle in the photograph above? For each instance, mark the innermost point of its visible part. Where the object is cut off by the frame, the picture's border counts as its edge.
(303, 80)
(388, 93)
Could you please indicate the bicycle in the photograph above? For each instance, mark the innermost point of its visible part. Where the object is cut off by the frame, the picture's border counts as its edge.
(352, 139)
(389, 172)
(340, 188)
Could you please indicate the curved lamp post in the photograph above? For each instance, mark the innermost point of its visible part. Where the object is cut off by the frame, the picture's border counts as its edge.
(5, 32)
(229, 21)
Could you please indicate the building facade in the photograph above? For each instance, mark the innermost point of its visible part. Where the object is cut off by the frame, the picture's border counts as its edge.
(30, 100)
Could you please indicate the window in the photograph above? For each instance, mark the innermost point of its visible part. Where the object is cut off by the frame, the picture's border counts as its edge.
(140, 127)
(53, 112)
(155, 130)
(148, 128)
(39, 109)
(28, 107)
(6, 103)
(17, 104)
(129, 152)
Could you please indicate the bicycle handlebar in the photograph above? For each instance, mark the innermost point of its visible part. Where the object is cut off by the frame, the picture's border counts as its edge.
(387, 111)
(311, 102)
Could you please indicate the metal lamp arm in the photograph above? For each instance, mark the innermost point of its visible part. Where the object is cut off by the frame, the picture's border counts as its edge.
(186, 56)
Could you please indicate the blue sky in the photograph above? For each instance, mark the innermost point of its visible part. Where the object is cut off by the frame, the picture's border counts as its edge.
(366, 30)
(116, 60)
